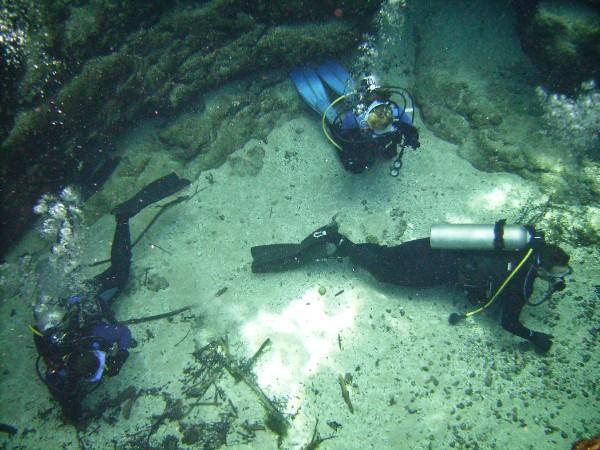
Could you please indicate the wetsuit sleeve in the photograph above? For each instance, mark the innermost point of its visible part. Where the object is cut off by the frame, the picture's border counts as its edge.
(512, 306)
(355, 154)
(114, 363)
(113, 333)
(354, 158)
(411, 135)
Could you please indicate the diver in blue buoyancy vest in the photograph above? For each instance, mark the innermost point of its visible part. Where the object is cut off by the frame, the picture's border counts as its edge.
(79, 338)
(364, 121)
(493, 263)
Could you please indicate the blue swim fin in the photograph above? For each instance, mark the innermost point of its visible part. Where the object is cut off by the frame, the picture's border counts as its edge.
(311, 88)
(336, 77)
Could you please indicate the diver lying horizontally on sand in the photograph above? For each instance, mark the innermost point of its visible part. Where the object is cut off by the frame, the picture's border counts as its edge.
(76, 334)
(495, 263)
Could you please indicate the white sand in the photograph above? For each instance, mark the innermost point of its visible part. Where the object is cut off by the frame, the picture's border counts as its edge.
(410, 368)
(417, 382)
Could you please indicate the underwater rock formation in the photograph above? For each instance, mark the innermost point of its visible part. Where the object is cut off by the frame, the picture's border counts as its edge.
(204, 139)
(500, 121)
(563, 41)
(248, 164)
(92, 68)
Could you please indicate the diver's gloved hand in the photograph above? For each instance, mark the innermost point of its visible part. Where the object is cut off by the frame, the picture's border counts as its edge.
(353, 165)
(542, 341)
(114, 363)
(411, 136)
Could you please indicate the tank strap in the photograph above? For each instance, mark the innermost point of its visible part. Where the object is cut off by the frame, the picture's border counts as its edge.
(499, 234)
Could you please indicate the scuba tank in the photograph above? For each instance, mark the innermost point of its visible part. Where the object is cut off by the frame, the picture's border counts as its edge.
(498, 236)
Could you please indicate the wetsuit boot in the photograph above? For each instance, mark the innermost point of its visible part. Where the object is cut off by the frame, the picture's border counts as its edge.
(112, 280)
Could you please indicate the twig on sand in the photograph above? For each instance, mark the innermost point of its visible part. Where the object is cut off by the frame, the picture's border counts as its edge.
(156, 317)
(345, 393)
(160, 248)
(183, 338)
(316, 439)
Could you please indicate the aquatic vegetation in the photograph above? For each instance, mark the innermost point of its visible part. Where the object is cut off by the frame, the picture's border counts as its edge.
(400, 395)
(574, 121)
(500, 123)
(12, 36)
(92, 69)
(561, 39)
(205, 139)
(211, 362)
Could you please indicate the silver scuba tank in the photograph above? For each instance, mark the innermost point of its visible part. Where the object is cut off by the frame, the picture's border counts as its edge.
(480, 236)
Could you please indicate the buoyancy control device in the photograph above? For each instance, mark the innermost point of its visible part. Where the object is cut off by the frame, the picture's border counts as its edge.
(493, 237)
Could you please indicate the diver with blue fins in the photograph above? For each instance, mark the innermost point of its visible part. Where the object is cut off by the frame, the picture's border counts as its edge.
(365, 120)
(494, 264)
(79, 338)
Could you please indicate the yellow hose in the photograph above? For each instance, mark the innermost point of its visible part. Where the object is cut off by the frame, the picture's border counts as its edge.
(35, 331)
(502, 286)
(323, 119)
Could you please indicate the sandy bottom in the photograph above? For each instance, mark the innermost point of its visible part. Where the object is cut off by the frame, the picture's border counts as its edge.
(413, 380)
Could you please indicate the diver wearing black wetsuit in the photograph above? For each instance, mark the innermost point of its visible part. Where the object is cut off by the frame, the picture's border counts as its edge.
(87, 342)
(416, 264)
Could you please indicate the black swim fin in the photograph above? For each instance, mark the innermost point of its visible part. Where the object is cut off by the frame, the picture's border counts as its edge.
(154, 192)
(320, 244)
(275, 257)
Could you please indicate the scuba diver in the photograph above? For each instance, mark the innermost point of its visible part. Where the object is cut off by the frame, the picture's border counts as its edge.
(364, 121)
(493, 263)
(78, 337)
